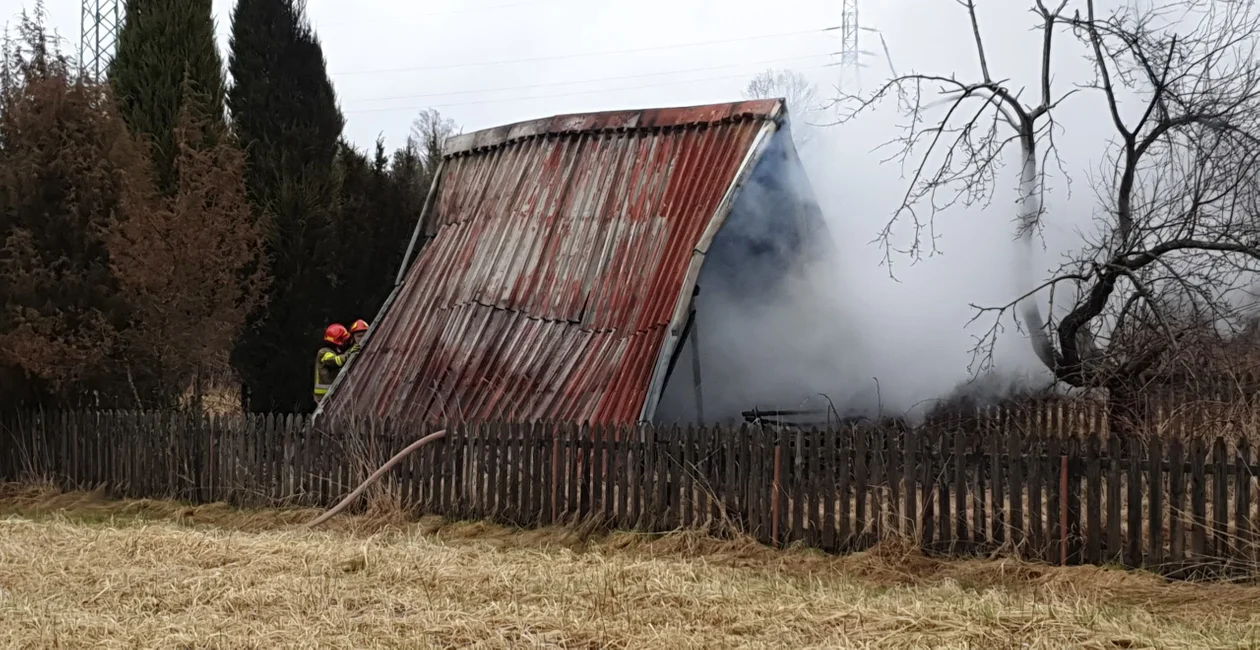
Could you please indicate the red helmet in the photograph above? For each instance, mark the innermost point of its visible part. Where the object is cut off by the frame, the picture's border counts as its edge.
(359, 326)
(336, 334)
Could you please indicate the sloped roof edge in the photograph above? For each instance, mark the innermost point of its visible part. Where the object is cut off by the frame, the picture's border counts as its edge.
(770, 109)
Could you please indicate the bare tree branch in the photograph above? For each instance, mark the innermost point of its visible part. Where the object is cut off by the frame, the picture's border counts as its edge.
(1178, 218)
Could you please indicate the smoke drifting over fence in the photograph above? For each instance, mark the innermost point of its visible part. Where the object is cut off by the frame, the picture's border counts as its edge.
(796, 310)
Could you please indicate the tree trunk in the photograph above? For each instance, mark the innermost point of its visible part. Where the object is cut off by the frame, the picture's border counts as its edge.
(1126, 412)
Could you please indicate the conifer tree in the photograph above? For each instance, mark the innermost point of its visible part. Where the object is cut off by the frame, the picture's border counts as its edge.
(162, 44)
(192, 268)
(67, 166)
(286, 116)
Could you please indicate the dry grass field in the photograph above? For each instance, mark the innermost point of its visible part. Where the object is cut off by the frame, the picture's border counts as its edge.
(77, 572)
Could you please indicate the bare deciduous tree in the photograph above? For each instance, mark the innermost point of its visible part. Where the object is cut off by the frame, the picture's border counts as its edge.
(429, 132)
(800, 94)
(1177, 236)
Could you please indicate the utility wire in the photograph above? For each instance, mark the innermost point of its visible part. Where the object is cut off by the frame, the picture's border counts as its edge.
(583, 55)
(443, 13)
(569, 94)
(602, 79)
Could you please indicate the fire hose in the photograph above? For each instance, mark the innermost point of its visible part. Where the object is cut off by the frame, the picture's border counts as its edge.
(438, 435)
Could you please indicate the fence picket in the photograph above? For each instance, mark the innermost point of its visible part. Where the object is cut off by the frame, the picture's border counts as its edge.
(518, 481)
(1015, 481)
(926, 479)
(1115, 548)
(637, 462)
(530, 477)
(608, 472)
(836, 490)
(1242, 503)
(761, 457)
(979, 486)
(878, 484)
(516, 470)
(645, 495)
(1220, 490)
(1176, 501)
(962, 532)
(661, 462)
(997, 484)
(1198, 498)
(1054, 505)
(828, 480)
(1155, 503)
(956, 486)
(944, 527)
(1074, 535)
(860, 470)
(1093, 500)
(909, 459)
(1133, 508)
(795, 487)
(622, 470)
(813, 487)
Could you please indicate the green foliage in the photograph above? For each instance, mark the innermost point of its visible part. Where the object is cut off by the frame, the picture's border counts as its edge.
(164, 44)
(380, 204)
(112, 292)
(281, 100)
(140, 244)
(285, 111)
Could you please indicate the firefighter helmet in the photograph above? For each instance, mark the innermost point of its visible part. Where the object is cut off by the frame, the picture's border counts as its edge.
(337, 334)
(359, 326)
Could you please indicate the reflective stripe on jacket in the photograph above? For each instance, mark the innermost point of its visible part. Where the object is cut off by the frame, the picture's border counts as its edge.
(327, 364)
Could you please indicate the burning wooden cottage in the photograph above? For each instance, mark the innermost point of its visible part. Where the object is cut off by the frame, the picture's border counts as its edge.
(561, 266)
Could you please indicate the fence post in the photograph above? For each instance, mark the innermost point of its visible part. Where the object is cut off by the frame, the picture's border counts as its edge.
(1242, 502)
(775, 490)
(1063, 509)
(909, 523)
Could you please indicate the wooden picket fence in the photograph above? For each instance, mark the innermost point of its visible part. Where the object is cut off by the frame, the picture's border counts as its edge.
(979, 486)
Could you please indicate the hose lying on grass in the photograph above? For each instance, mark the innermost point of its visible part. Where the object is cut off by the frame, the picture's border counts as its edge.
(438, 435)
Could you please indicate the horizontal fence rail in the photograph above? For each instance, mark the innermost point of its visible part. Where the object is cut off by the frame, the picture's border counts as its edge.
(1054, 493)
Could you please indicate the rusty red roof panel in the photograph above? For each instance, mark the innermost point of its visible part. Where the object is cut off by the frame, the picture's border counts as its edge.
(560, 248)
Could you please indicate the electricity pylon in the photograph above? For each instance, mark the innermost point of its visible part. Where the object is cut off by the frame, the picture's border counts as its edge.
(99, 24)
(851, 52)
(850, 59)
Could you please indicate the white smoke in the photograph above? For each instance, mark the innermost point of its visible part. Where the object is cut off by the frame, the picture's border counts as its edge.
(843, 334)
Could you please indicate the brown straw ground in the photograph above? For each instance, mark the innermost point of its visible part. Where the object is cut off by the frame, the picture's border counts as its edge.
(77, 571)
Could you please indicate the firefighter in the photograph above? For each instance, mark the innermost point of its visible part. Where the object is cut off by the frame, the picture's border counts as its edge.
(359, 330)
(331, 357)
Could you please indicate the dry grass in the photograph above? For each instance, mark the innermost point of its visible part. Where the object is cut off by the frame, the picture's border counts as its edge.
(79, 572)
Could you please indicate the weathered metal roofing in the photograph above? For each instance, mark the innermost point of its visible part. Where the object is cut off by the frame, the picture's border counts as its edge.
(560, 261)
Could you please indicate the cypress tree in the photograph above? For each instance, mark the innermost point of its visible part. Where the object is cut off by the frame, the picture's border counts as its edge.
(285, 112)
(166, 58)
(360, 195)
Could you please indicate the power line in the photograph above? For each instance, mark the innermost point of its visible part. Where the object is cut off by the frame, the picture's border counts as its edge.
(444, 13)
(569, 94)
(602, 79)
(587, 54)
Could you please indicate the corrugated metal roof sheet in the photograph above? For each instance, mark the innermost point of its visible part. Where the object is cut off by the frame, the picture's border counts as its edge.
(560, 250)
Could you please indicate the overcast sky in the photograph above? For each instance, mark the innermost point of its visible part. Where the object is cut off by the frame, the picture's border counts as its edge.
(490, 62)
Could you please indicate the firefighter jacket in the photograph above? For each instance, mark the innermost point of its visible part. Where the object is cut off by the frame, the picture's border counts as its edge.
(328, 362)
